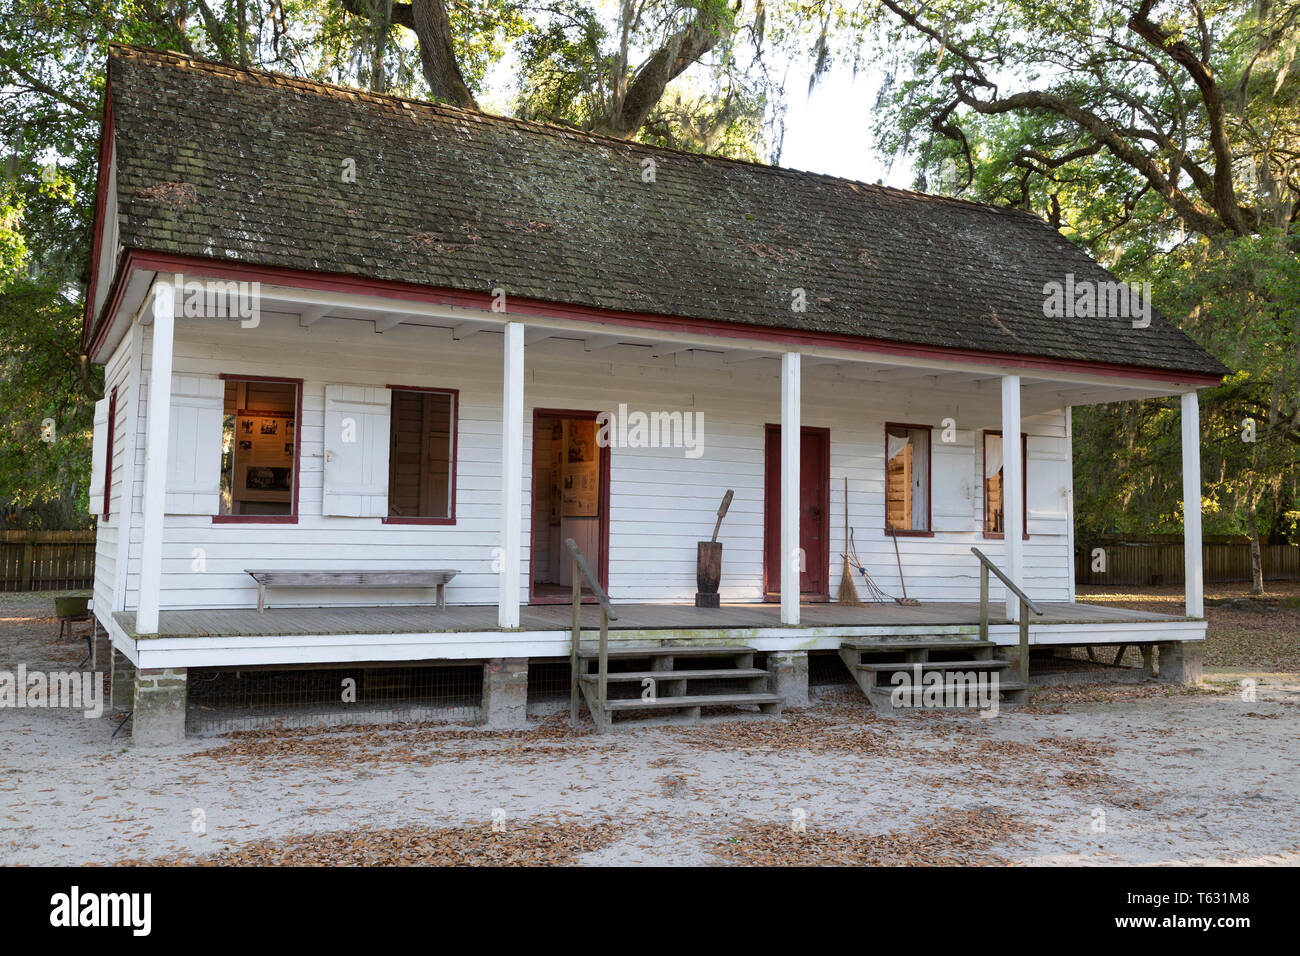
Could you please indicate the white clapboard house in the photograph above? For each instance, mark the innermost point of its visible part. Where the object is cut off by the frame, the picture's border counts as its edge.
(361, 346)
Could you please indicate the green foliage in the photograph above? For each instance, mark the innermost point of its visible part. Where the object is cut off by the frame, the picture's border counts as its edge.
(1240, 298)
(46, 407)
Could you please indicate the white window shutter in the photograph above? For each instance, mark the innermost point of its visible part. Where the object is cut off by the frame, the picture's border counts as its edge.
(952, 469)
(98, 454)
(356, 451)
(1048, 486)
(194, 445)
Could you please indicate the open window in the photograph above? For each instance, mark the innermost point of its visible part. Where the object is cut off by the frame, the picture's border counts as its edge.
(907, 479)
(259, 449)
(422, 456)
(994, 506)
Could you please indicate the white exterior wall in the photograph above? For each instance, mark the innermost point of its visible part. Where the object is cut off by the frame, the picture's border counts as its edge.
(117, 374)
(661, 502)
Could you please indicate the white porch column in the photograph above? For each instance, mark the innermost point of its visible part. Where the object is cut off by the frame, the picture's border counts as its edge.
(791, 432)
(155, 457)
(512, 475)
(1195, 587)
(1013, 490)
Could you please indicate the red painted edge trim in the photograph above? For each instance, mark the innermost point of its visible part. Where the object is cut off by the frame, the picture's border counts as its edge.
(101, 202)
(928, 530)
(455, 451)
(292, 517)
(108, 454)
(1024, 485)
(602, 503)
(411, 292)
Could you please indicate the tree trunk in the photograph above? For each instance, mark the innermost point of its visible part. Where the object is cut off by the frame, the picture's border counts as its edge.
(1256, 557)
(438, 55)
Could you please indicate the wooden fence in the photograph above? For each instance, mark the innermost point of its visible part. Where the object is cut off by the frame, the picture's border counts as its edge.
(1156, 561)
(46, 560)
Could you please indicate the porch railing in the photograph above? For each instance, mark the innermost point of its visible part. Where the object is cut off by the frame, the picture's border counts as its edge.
(1026, 605)
(582, 572)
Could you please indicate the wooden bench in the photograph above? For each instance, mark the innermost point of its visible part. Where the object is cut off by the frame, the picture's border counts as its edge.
(351, 579)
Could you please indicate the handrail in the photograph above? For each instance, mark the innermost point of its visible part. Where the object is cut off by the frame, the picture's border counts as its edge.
(1024, 598)
(1026, 604)
(592, 583)
(581, 571)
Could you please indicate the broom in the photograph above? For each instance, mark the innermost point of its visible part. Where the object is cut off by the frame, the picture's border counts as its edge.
(848, 592)
(877, 595)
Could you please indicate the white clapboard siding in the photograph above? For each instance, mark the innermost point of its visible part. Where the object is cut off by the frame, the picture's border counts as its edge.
(661, 502)
(1048, 486)
(194, 445)
(953, 481)
(98, 454)
(356, 450)
(117, 373)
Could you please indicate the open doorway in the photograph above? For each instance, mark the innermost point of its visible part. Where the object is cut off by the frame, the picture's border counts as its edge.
(570, 500)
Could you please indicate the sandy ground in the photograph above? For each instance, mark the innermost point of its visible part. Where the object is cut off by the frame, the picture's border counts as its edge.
(1085, 775)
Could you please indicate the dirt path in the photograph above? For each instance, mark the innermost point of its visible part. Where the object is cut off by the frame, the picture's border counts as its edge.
(1194, 777)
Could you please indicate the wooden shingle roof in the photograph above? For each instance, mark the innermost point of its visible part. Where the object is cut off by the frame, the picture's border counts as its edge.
(249, 166)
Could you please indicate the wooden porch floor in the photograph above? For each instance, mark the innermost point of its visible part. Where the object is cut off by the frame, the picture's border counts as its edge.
(421, 619)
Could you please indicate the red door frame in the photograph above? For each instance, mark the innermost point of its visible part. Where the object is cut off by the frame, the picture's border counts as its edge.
(602, 566)
(772, 516)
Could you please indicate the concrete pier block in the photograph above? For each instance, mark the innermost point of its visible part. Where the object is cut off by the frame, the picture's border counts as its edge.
(789, 676)
(505, 693)
(122, 681)
(159, 718)
(1180, 662)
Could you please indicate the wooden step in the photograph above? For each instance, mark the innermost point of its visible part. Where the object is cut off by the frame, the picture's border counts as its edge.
(721, 673)
(882, 697)
(938, 666)
(642, 650)
(912, 644)
(696, 700)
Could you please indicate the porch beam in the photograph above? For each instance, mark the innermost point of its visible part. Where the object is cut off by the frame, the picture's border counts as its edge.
(155, 457)
(1013, 490)
(310, 316)
(512, 472)
(1191, 436)
(599, 343)
(791, 432)
(739, 357)
(463, 330)
(672, 348)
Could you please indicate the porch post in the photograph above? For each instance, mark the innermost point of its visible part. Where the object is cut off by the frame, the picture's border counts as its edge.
(1195, 584)
(512, 472)
(1013, 490)
(791, 432)
(155, 457)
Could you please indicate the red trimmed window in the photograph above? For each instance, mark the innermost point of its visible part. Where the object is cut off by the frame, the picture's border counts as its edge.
(907, 479)
(422, 456)
(260, 450)
(994, 511)
(108, 453)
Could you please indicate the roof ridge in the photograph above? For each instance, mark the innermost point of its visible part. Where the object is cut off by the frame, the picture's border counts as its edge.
(308, 85)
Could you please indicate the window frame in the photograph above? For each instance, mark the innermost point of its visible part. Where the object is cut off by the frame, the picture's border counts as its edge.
(452, 460)
(928, 531)
(1024, 485)
(108, 455)
(292, 517)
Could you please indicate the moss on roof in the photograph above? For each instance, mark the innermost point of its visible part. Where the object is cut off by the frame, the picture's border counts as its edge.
(244, 165)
